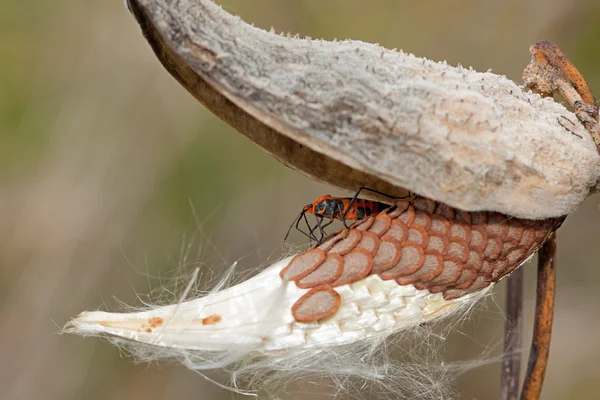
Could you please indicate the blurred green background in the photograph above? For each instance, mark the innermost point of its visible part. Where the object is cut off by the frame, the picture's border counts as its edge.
(111, 173)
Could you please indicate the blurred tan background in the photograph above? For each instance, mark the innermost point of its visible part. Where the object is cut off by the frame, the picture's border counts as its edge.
(109, 169)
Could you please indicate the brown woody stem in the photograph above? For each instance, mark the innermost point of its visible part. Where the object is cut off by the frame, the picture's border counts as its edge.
(542, 330)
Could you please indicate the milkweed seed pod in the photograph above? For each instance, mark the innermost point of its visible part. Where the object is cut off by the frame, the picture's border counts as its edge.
(413, 263)
(504, 167)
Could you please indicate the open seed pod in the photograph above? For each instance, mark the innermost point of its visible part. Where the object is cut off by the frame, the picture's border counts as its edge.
(354, 114)
(495, 168)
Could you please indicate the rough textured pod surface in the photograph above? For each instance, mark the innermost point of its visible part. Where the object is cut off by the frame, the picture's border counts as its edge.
(355, 114)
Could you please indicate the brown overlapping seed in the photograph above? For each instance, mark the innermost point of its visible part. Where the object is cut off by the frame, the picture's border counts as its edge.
(507, 247)
(381, 225)
(528, 237)
(450, 272)
(479, 238)
(365, 224)
(422, 219)
(440, 224)
(411, 260)
(515, 231)
(432, 267)
(317, 303)
(463, 216)
(438, 242)
(497, 225)
(459, 248)
(329, 243)
(395, 213)
(417, 234)
(402, 205)
(487, 268)
(500, 268)
(478, 218)
(357, 265)
(460, 230)
(387, 255)
(407, 216)
(424, 204)
(467, 277)
(493, 248)
(480, 283)
(369, 242)
(398, 231)
(329, 271)
(303, 264)
(445, 211)
(516, 256)
(348, 243)
(475, 260)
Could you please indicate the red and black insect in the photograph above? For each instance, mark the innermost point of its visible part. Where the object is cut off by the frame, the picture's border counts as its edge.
(337, 208)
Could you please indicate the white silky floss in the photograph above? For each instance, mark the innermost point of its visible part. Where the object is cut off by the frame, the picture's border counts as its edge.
(255, 316)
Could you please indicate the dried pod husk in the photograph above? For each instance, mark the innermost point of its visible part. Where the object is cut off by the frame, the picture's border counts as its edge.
(354, 114)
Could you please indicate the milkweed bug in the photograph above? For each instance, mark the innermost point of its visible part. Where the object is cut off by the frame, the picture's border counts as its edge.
(338, 208)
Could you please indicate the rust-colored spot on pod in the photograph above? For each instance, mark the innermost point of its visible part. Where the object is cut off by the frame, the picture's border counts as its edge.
(424, 204)
(497, 225)
(417, 234)
(155, 322)
(329, 243)
(515, 232)
(303, 264)
(432, 267)
(463, 216)
(475, 260)
(357, 265)
(381, 225)
(459, 248)
(450, 272)
(445, 211)
(422, 219)
(440, 224)
(348, 243)
(411, 260)
(387, 255)
(397, 231)
(479, 238)
(438, 242)
(493, 248)
(369, 242)
(148, 330)
(212, 319)
(460, 230)
(478, 218)
(317, 303)
(407, 216)
(364, 225)
(326, 273)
